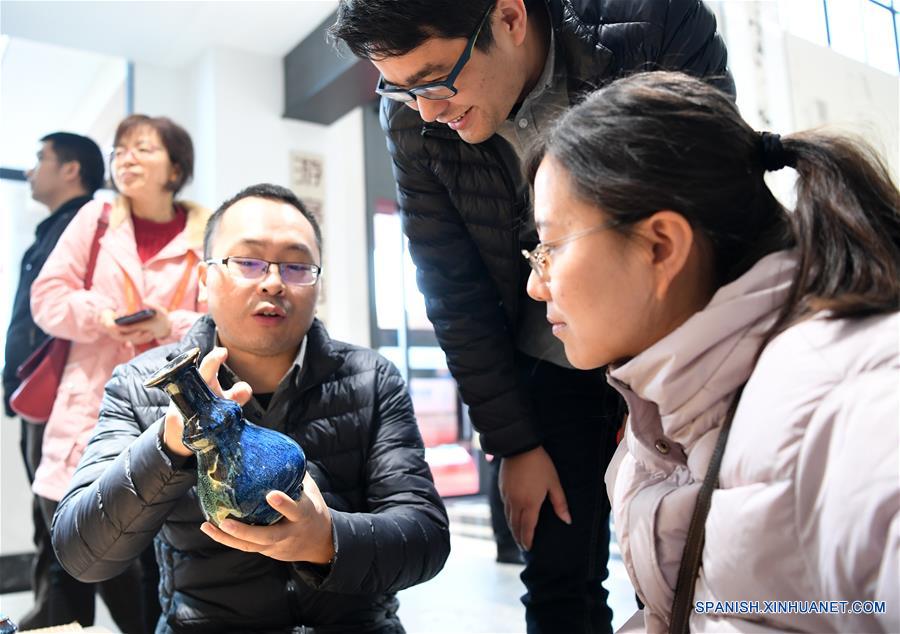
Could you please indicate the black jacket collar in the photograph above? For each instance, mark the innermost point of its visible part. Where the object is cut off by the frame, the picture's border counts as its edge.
(63, 214)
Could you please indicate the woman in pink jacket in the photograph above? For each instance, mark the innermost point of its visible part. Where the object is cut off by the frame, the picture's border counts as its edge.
(147, 260)
(666, 257)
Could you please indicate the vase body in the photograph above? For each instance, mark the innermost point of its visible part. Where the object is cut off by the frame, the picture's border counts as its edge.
(238, 462)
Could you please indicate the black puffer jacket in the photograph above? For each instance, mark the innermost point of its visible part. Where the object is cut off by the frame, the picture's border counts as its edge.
(351, 413)
(23, 336)
(462, 211)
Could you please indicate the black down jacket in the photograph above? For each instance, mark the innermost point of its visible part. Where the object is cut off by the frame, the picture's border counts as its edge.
(462, 205)
(351, 413)
(23, 336)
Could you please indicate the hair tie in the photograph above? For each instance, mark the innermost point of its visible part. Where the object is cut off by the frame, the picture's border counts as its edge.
(774, 156)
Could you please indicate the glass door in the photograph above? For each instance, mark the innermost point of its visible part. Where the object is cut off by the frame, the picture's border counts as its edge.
(402, 333)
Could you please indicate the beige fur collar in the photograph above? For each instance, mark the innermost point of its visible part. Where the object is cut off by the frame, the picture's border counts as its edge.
(197, 215)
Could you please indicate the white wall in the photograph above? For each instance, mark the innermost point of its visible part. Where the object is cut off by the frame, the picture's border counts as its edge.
(346, 252)
(834, 90)
(168, 92)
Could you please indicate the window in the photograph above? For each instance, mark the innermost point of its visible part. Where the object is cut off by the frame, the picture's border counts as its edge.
(865, 30)
(402, 332)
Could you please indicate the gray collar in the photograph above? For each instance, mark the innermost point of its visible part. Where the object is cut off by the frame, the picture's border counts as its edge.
(546, 79)
(288, 384)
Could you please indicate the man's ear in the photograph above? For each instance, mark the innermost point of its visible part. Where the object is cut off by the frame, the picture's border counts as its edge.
(513, 19)
(666, 239)
(318, 296)
(202, 293)
(71, 172)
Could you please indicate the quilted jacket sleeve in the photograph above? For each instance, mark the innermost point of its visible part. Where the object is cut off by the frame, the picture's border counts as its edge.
(461, 299)
(122, 491)
(404, 539)
(848, 497)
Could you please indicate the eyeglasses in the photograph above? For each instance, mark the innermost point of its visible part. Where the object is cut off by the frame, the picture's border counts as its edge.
(139, 153)
(435, 90)
(292, 273)
(539, 257)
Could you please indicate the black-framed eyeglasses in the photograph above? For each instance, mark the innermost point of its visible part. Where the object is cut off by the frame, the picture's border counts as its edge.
(443, 89)
(252, 269)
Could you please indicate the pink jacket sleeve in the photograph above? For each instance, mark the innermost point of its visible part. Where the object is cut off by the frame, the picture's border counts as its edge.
(60, 305)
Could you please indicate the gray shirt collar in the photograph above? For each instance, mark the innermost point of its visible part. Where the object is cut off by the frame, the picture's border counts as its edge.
(274, 416)
(545, 81)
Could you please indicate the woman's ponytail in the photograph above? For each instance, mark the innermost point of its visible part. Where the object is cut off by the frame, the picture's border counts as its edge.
(846, 224)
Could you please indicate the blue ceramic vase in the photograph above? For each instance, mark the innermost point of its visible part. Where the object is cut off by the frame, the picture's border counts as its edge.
(238, 462)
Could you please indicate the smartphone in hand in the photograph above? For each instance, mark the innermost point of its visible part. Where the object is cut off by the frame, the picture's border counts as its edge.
(135, 318)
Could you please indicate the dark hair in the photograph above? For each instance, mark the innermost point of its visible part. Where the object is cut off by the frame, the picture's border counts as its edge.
(376, 29)
(262, 190)
(174, 138)
(74, 147)
(664, 140)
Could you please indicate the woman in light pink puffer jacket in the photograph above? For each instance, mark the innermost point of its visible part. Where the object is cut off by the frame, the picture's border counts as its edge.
(666, 257)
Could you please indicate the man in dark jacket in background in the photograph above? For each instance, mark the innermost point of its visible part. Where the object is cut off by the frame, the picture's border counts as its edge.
(369, 522)
(482, 79)
(69, 169)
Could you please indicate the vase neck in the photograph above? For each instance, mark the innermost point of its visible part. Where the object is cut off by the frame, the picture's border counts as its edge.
(189, 392)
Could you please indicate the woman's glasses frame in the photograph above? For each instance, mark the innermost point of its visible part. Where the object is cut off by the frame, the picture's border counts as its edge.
(539, 257)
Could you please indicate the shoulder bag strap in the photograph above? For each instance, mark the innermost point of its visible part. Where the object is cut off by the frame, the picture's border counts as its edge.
(693, 547)
(134, 302)
(102, 224)
(192, 260)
